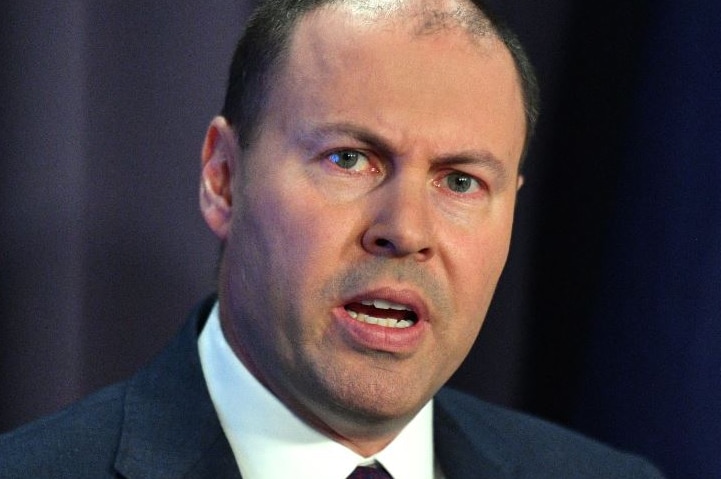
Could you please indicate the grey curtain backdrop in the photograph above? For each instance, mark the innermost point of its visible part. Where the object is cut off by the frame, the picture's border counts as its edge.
(103, 108)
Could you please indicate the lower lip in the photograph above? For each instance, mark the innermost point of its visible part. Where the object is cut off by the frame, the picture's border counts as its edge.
(379, 338)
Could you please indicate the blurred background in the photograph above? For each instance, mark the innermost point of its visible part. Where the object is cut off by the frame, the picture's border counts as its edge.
(607, 318)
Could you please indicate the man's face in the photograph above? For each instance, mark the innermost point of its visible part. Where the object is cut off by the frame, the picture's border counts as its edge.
(371, 218)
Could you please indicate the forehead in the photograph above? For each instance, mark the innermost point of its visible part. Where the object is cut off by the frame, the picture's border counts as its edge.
(407, 63)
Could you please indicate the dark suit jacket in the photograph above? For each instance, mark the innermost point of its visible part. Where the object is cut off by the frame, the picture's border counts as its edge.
(161, 424)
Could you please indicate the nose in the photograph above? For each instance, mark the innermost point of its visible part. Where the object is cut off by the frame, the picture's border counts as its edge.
(401, 224)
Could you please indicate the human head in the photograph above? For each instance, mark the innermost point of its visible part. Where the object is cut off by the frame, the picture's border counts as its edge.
(261, 50)
(368, 219)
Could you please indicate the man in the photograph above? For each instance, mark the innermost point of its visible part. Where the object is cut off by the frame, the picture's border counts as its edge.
(362, 181)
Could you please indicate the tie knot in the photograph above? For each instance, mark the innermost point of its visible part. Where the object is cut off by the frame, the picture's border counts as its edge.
(369, 472)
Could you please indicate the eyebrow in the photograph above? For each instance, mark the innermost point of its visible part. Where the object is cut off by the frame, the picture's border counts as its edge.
(321, 132)
(481, 158)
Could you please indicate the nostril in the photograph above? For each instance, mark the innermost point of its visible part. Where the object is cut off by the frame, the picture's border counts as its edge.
(382, 242)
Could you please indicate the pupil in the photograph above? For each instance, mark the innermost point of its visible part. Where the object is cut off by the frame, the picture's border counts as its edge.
(345, 159)
(459, 183)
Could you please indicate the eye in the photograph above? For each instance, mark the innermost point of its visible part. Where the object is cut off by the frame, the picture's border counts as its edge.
(460, 183)
(351, 160)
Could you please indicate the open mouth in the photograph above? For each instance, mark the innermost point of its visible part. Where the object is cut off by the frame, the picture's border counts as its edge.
(383, 313)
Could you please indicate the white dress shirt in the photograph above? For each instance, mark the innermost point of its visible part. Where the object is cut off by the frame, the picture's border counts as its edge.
(270, 442)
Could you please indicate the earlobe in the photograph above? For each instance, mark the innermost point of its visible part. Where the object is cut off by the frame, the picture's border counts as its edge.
(218, 163)
(520, 182)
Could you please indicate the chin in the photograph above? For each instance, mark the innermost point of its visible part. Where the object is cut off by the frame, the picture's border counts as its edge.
(376, 404)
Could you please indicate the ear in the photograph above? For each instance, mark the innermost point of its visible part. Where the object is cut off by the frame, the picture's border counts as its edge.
(220, 151)
(521, 179)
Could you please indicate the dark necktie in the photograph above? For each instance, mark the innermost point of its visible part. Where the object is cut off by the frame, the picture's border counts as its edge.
(367, 472)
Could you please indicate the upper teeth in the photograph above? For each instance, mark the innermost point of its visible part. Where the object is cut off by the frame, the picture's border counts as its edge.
(386, 322)
(383, 304)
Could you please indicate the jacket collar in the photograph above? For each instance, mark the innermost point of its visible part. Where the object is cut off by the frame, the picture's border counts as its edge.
(166, 437)
(467, 447)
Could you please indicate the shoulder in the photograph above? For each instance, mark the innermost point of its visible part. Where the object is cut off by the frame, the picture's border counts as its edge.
(83, 437)
(534, 447)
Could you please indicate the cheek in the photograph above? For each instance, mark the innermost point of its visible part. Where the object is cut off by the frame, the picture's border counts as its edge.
(307, 238)
(478, 261)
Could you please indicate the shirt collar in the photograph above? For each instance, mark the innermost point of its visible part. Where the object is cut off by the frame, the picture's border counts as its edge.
(269, 441)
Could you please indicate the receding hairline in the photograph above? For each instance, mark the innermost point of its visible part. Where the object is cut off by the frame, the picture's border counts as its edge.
(415, 18)
(424, 17)
(419, 18)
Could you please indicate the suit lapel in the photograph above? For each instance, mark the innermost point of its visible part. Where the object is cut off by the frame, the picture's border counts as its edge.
(464, 453)
(163, 437)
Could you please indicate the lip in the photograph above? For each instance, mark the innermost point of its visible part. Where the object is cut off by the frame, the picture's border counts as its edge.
(366, 336)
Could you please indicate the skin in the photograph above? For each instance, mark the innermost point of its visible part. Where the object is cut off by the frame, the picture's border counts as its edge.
(386, 167)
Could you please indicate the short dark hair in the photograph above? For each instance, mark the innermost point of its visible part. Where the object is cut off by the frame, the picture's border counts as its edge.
(260, 52)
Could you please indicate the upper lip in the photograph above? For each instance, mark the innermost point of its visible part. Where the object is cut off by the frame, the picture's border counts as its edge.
(398, 295)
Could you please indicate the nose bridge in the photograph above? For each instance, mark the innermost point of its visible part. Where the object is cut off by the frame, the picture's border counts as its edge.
(407, 205)
(402, 222)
